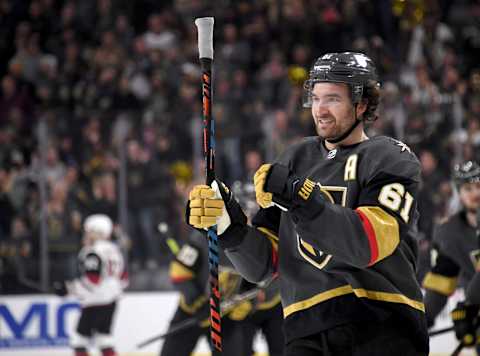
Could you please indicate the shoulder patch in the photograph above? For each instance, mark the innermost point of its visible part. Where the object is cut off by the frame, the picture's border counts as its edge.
(403, 146)
(188, 255)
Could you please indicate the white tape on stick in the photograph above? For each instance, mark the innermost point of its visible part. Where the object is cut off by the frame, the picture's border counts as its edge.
(205, 36)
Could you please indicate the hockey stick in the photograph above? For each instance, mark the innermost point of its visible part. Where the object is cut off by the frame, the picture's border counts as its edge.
(441, 331)
(205, 50)
(183, 325)
(459, 349)
(226, 307)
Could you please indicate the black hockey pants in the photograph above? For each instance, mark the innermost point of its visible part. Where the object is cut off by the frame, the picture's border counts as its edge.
(383, 339)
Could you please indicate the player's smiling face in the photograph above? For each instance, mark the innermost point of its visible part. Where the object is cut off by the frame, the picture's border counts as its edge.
(332, 109)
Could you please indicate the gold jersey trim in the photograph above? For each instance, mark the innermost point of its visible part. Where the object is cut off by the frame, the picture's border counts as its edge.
(441, 284)
(389, 297)
(316, 299)
(359, 292)
(179, 272)
(385, 227)
(270, 235)
(192, 308)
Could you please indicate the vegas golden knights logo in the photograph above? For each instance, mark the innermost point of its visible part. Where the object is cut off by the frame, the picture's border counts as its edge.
(319, 259)
(316, 257)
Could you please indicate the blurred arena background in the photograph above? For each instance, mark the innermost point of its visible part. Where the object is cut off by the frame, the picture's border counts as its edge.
(100, 112)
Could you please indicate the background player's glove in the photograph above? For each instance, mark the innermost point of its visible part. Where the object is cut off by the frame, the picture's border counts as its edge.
(215, 205)
(60, 288)
(300, 196)
(241, 311)
(465, 318)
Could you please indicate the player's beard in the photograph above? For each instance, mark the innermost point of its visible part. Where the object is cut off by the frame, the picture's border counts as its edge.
(329, 128)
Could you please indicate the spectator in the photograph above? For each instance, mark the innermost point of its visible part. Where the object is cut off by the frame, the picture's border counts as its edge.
(146, 203)
(63, 238)
(16, 259)
(56, 68)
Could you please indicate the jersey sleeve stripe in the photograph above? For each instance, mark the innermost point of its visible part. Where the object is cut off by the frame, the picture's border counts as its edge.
(179, 273)
(274, 241)
(372, 240)
(271, 236)
(382, 231)
(440, 284)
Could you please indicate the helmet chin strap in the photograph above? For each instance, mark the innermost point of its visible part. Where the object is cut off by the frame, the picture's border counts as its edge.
(349, 131)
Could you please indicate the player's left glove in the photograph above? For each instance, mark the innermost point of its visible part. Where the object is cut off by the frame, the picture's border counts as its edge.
(465, 318)
(214, 205)
(276, 184)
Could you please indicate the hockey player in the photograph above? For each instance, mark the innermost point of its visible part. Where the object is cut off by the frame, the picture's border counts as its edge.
(266, 317)
(189, 275)
(101, 282)
(457, 258)
(189, 278)
(337, 223)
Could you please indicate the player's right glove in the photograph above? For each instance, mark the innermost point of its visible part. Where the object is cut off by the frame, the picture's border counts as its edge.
(215, 205)
(465, 318)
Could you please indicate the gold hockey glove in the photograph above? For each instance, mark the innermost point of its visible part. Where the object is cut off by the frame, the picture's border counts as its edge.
(215, 205)
(264, 199)
(204, 207)
(465, 320)
(241, 311)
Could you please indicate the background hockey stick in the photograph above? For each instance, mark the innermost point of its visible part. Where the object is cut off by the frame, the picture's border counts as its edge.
(226, 307)
(441, 331)
(183, 325)
(205, 50)
(459, 349)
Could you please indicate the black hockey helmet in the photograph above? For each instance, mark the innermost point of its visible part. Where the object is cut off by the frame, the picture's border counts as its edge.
(466, 172)
(352, 68)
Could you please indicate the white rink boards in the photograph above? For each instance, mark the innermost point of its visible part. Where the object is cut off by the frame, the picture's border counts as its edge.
(39, 325)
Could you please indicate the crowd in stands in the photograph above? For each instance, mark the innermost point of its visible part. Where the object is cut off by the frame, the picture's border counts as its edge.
(93, 88)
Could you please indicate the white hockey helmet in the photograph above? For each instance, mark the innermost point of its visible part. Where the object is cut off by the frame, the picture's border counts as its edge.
(99, 225)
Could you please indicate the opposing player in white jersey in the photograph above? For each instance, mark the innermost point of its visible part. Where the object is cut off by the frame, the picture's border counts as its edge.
(101, 282)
